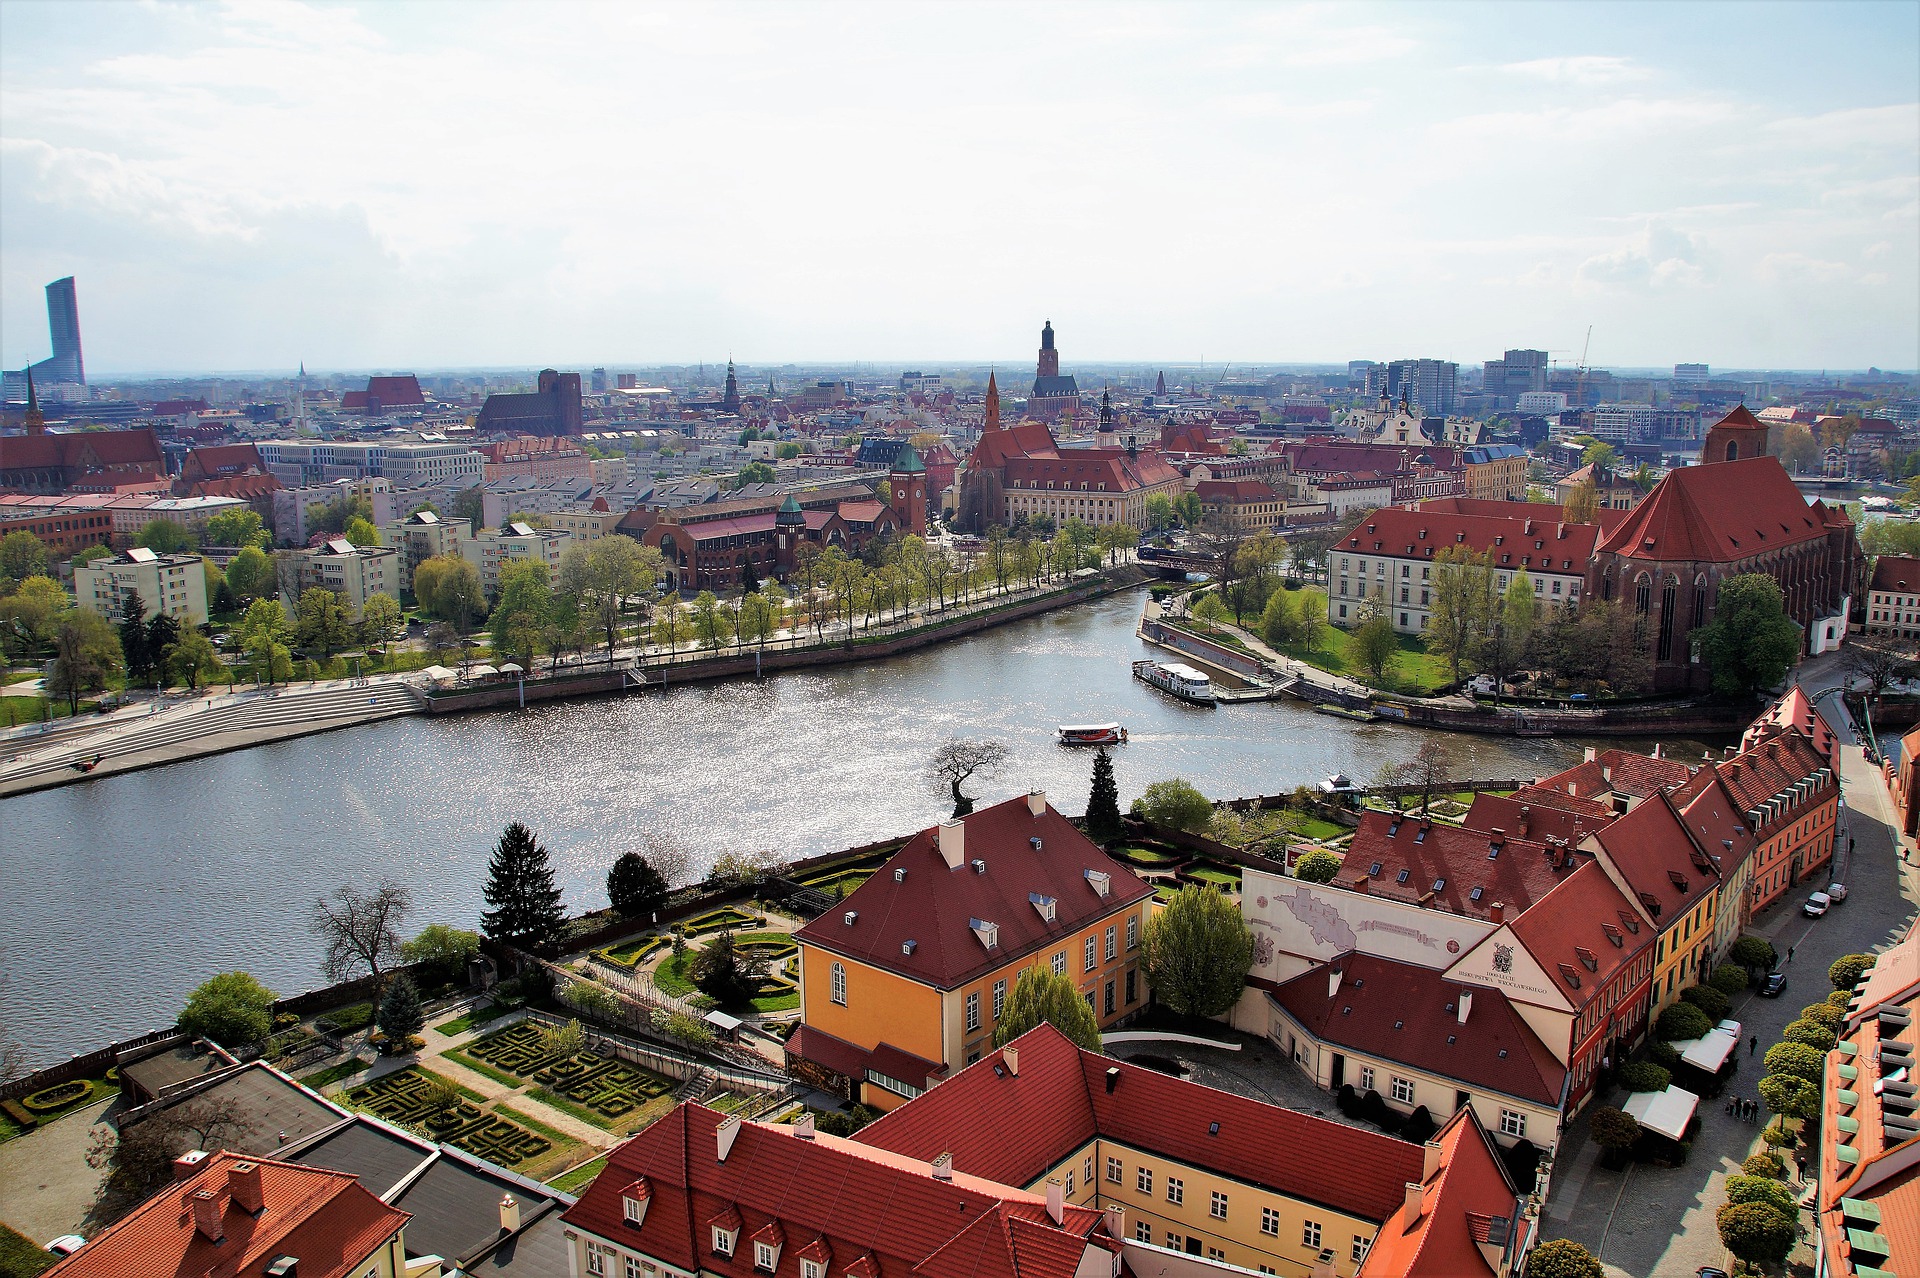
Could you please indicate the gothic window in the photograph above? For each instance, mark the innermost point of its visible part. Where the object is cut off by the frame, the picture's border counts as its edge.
(1666, 617)
(1700, 600)
(1642, 594)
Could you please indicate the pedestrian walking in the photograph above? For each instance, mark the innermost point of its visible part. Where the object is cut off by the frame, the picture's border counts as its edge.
(1789, 954)
(1753, 1044)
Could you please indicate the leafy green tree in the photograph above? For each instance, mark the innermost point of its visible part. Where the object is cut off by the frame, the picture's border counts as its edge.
(320, 621)
(1103, 803)
(759, 615)
(1709, 1000)
(1730, 978)
(1375, 646)
(524, 900)
(444, 948)
(1751, 643)
(1825, 1015)
(1279, 619)
(522, 611)
(604, 575)
(380, 621)
(786, 452)
(1317, 866)
(263, 633)
(332, 517)
(133, 637)
(1601, 454)
(1613, 1129)
(756, 473)
(634, 887)
(1753, 952)
(1040, 996)
(1761, 1189)
(689, 1031)
(400, 1015)
(361, 532)
(251, 574)
(1645, 1076)
(192, 660)
(448, 587)
(22, 555)
(1210, 612)
(1756, 1233)
(1813, 1034)
(1464, 601)
(164, 537)
(241, 527)
(232, 1009)
(1681, 1022)
(85, 648)
(1176, 804)
(1160, 514)
(1563, 1258)
(711, 624)
(1797, 1059)
(31, 613)
(1846, 971)
(1197, 951)
(726, 973)
(1789, 1096)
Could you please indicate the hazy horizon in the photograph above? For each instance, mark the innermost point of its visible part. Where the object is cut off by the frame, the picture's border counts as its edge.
(246, 185)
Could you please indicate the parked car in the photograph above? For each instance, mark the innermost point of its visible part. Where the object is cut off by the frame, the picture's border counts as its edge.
(66, 1244)
(1817, 904)
(1837, 892)
(1771, 987)
(1709, 1271)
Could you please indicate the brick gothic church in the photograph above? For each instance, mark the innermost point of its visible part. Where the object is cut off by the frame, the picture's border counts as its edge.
(1736, 512)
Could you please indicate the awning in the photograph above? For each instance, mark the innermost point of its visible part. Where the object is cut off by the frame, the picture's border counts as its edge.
(1667, 1113)
(1709, 1053)
(481, 672)
(437, 672)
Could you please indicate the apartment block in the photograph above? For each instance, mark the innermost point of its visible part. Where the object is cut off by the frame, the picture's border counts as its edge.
(355, 573)
(173, 584)
(491, 549)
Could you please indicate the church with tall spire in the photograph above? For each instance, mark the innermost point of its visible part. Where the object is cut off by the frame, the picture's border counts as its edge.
(1053, 396)
(730, 397)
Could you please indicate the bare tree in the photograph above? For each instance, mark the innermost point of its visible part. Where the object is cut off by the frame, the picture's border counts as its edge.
(956, 762)
(139, 1158)
(360, 930)
(1430, 768)
(1879, 664)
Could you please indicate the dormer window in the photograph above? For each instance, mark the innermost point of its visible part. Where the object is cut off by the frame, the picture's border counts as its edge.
(766, 1257)
(723, 1241)
(811, 1269)
(1403, 876)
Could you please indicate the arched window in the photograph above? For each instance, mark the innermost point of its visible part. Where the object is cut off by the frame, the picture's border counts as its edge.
(839, 982)
(1699, 617)
(1667, 596)
(1642, 594)
(1733, 450)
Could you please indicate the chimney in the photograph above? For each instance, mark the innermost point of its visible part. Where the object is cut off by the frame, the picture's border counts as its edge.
(1037, 802)
(1591, 755)
(1606, 773)
(1113, 1078)
(243, 1182)
(1360, 884)
(206, 1214)
(1497, 912)
(943, 1167)
(187, 1166)
(803, 1125)
(1414, 1193)
(1011, 1055)
(509, 1214)
(1465, 1003)
(1116, 1222)
(727, 1133)
(1056, 1200)
(1333, 981)
(1432, 1161)
(952, 839)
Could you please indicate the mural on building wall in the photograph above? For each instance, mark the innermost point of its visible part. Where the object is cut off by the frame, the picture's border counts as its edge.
(1315, 922)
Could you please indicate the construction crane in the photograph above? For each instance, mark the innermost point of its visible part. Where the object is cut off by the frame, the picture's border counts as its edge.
(1580, 388)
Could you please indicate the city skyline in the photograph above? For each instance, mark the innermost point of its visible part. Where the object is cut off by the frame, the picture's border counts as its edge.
(254, 185)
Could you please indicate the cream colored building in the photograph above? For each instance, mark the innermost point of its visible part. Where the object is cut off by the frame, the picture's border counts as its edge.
(420, 537)
(355, 573)
(585, 524)
(491, 549)
(173, 584)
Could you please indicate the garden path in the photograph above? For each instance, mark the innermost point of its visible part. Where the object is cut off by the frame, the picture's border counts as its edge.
(46, 1187)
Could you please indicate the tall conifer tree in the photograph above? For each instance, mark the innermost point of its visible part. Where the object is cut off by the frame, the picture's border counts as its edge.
(1103, 805)
(524, 900)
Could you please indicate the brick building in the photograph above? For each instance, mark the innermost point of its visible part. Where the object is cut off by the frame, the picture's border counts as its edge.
(1893, 598)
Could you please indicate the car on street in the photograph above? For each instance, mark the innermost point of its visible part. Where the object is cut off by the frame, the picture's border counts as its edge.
(1775, 982)
(1837, 892)
(1817, 904)
(66, 1244)
(1709, 1271)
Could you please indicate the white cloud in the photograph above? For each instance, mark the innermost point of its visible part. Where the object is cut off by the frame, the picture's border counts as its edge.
(1588, 70)
(1658, 258)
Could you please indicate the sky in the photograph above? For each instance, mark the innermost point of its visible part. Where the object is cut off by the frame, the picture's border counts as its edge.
(251, 184)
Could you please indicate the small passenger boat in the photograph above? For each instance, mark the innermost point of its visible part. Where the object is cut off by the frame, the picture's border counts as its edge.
(1092, 734)
(1178, 678)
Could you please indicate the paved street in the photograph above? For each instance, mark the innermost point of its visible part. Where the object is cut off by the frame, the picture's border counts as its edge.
(1649, 1222)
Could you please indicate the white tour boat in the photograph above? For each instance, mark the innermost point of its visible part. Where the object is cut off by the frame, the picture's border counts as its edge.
(1182, 680)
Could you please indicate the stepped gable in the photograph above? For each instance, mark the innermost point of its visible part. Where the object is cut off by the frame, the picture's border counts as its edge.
(1057, 1100)
(1406, 1012)
(916, 897)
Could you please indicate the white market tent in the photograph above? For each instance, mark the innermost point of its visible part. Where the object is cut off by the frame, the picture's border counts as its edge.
(512, 667)
(1709, 1053)
(437, 672)
(1667, 1113)
(482, 672)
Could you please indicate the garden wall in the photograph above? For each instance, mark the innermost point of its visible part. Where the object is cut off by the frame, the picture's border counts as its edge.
(1214, 654)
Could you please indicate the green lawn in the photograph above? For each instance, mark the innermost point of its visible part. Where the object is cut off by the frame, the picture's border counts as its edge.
(15, 711)
(1210, 874)
(333, 1074)
(478, 1016)
(1315, 828)
(580, 1177)
(20, 1257)
(1138, 855)
(481, 1067)
(1414, 672)
(672, 977)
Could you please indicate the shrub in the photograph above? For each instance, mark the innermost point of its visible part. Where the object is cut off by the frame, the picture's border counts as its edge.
(1755, 1232)
(1613, 1129)
(1663, 1054)
(1760, 1189)
(1797, 1059)
(1317, 866)
(1729, 978)
(1563, 1258)
(1813, 1034)
(1645, 1076)
(1775, 1137)
(1766, 1163)
(1708, 1000)
(1754, 951)
(1841, 1000)
(1848, 969)
(1825, 1015)
(48, 1099)
(1348, 1101)
(1682, 1021)
(1419, 1126)
(232, 1009)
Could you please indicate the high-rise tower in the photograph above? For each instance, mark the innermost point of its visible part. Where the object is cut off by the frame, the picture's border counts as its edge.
(63, 322)
(1053, 396)
(1049, 357)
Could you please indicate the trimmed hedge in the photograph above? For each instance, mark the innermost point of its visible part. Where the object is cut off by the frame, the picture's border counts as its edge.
(1645, 1076)
(719, 921)
(412, 1098)
(59, 1096)
(608, 1088)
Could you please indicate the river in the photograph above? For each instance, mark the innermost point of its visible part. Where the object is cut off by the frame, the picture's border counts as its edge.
(123, 893)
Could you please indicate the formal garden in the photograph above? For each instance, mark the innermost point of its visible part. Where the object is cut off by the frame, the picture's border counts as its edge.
(758, 974)
(17, 1117)
(441, 1110)
(596, 1089)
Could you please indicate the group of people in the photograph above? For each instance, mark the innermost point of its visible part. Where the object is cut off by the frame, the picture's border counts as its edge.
(1744, 1108)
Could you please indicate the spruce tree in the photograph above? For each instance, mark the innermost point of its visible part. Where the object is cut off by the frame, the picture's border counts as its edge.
(520, 889)
(400, 1015)
(1103, 805)
(133, 635)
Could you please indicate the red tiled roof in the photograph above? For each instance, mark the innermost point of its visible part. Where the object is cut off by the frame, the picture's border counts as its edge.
(1515, 542)
(393, 392)
(916, 898)
(1386, 458)
(1536, 822)
(1458, 1203)
(1023, 439)
(1058, 1101)
(216, 460)
(1405, 1012)
(326, 1218)
(1719, 513)
(110, 449)
(1896, 574)
(1092, 467)
(1582, 931)
(1457, 859)
(716, 529)
(1639, 775)
(1770, 765)
(1654, 852)
(861, 512)
(871, 1210)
